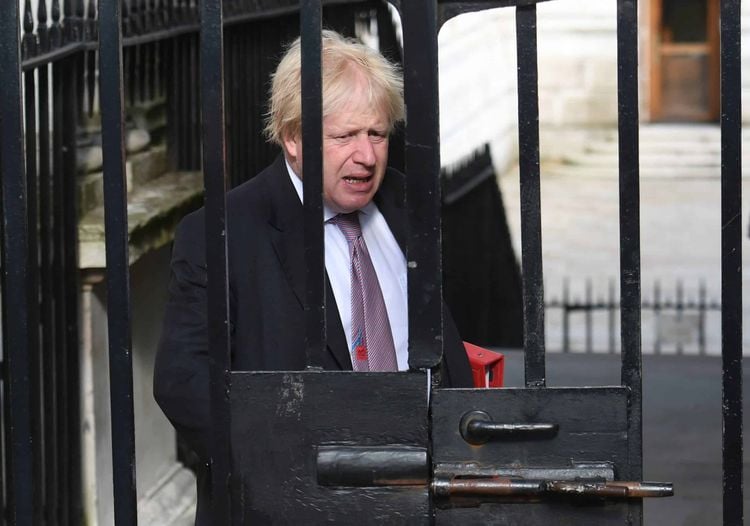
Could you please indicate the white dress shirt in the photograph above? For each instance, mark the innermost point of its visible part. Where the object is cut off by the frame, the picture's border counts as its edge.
(389, 263)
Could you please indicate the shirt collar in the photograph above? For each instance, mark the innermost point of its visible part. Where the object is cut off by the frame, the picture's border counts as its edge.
(327, 212)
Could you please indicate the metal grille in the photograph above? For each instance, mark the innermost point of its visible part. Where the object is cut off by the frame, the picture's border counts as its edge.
(39, 280)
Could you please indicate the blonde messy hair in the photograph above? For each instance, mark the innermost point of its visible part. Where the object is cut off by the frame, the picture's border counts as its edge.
(343, 60)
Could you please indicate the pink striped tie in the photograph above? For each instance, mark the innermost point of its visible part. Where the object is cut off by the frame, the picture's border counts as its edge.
(372, 341)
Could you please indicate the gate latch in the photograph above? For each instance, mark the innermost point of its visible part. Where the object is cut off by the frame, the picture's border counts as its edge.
(503, 487)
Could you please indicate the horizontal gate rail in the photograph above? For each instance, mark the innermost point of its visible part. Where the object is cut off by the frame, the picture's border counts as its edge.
(174, 20)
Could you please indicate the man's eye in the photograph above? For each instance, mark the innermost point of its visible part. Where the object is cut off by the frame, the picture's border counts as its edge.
(376, 136)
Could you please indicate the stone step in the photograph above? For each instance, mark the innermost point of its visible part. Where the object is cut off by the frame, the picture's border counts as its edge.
(676, 147)
(652, 159)
(153, 213)
(551, 169)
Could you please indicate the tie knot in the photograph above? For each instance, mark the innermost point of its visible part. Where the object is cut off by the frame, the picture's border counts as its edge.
(349, 225)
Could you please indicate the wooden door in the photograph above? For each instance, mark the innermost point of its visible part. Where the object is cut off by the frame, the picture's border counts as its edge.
(685, 60)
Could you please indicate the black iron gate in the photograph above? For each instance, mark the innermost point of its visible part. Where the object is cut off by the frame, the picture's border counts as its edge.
(443, 452)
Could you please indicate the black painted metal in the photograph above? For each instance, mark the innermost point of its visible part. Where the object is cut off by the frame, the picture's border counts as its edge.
(71, 488)
(731, 263)
(276, 445)
(49, 343)
(58, 405)
(118, 277)
(364, 466)
(592, 434)
(422, 156)
(478, 427)
(33, 278)
(312, 138)
(630, 253)
(215, 180)
(531, 210)
(296, 398)
(20, 488)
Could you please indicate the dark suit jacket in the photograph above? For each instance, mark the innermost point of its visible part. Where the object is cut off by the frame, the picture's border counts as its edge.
(266, 283)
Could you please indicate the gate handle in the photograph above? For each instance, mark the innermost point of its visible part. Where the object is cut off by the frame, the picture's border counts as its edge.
(478, 428)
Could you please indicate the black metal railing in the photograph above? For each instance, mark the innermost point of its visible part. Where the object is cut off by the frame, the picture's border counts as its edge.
(40, 327)
(48, 111)
(49, 86)
(676, 321)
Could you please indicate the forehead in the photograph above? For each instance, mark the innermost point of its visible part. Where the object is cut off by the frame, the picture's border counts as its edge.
(354, 116)
(353, 100)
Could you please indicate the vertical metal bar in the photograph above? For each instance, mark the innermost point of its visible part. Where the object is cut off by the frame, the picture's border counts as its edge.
(118, 279)
(71, 439)
(731, 261)
(566, 315)
(33, 284)
(611, 306)
(46, 233)
(195, 101)
(15, 272)
(29, 47)
(702, 318)
(531, 212)
(312, 138)
(657, 317)
(55, 31)
(47, 288)
(214, 169)
(423, 183)
(172, 91)
(630, 244)
(64, 128)
(679, 309)
(589, 315)
(58, 361)
(68, 77)
(92, 34)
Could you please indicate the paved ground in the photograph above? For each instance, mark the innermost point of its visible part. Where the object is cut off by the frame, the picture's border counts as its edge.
(680, 219)
(680, 240)
(682, 426)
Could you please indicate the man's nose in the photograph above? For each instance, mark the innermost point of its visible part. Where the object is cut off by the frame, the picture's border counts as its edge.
(364, 151)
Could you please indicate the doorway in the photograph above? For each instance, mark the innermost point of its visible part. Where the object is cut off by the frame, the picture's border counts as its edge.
(685, 60)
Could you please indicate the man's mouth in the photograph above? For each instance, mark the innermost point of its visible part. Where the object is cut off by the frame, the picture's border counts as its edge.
(358, 180)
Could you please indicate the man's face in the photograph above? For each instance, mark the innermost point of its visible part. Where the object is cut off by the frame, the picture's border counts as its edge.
(355, 153)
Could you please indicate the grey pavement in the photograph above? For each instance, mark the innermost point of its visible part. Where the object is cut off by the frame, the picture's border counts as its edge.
(680, 219)
(681, 420)
(680, 240)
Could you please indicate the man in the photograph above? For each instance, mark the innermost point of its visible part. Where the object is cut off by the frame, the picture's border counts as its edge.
(364, 237)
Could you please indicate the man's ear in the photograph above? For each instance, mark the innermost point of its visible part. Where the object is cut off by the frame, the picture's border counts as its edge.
(292, 146)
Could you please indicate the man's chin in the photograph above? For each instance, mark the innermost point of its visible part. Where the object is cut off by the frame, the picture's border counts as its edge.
(349, 205)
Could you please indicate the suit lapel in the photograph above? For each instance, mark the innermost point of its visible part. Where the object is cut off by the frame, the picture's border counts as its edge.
(286, 224)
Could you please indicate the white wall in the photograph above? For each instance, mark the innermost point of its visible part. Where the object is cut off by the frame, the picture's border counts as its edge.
(477, 64)
(577, 43)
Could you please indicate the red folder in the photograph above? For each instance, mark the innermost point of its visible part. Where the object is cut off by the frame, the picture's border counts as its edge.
(487, 367)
